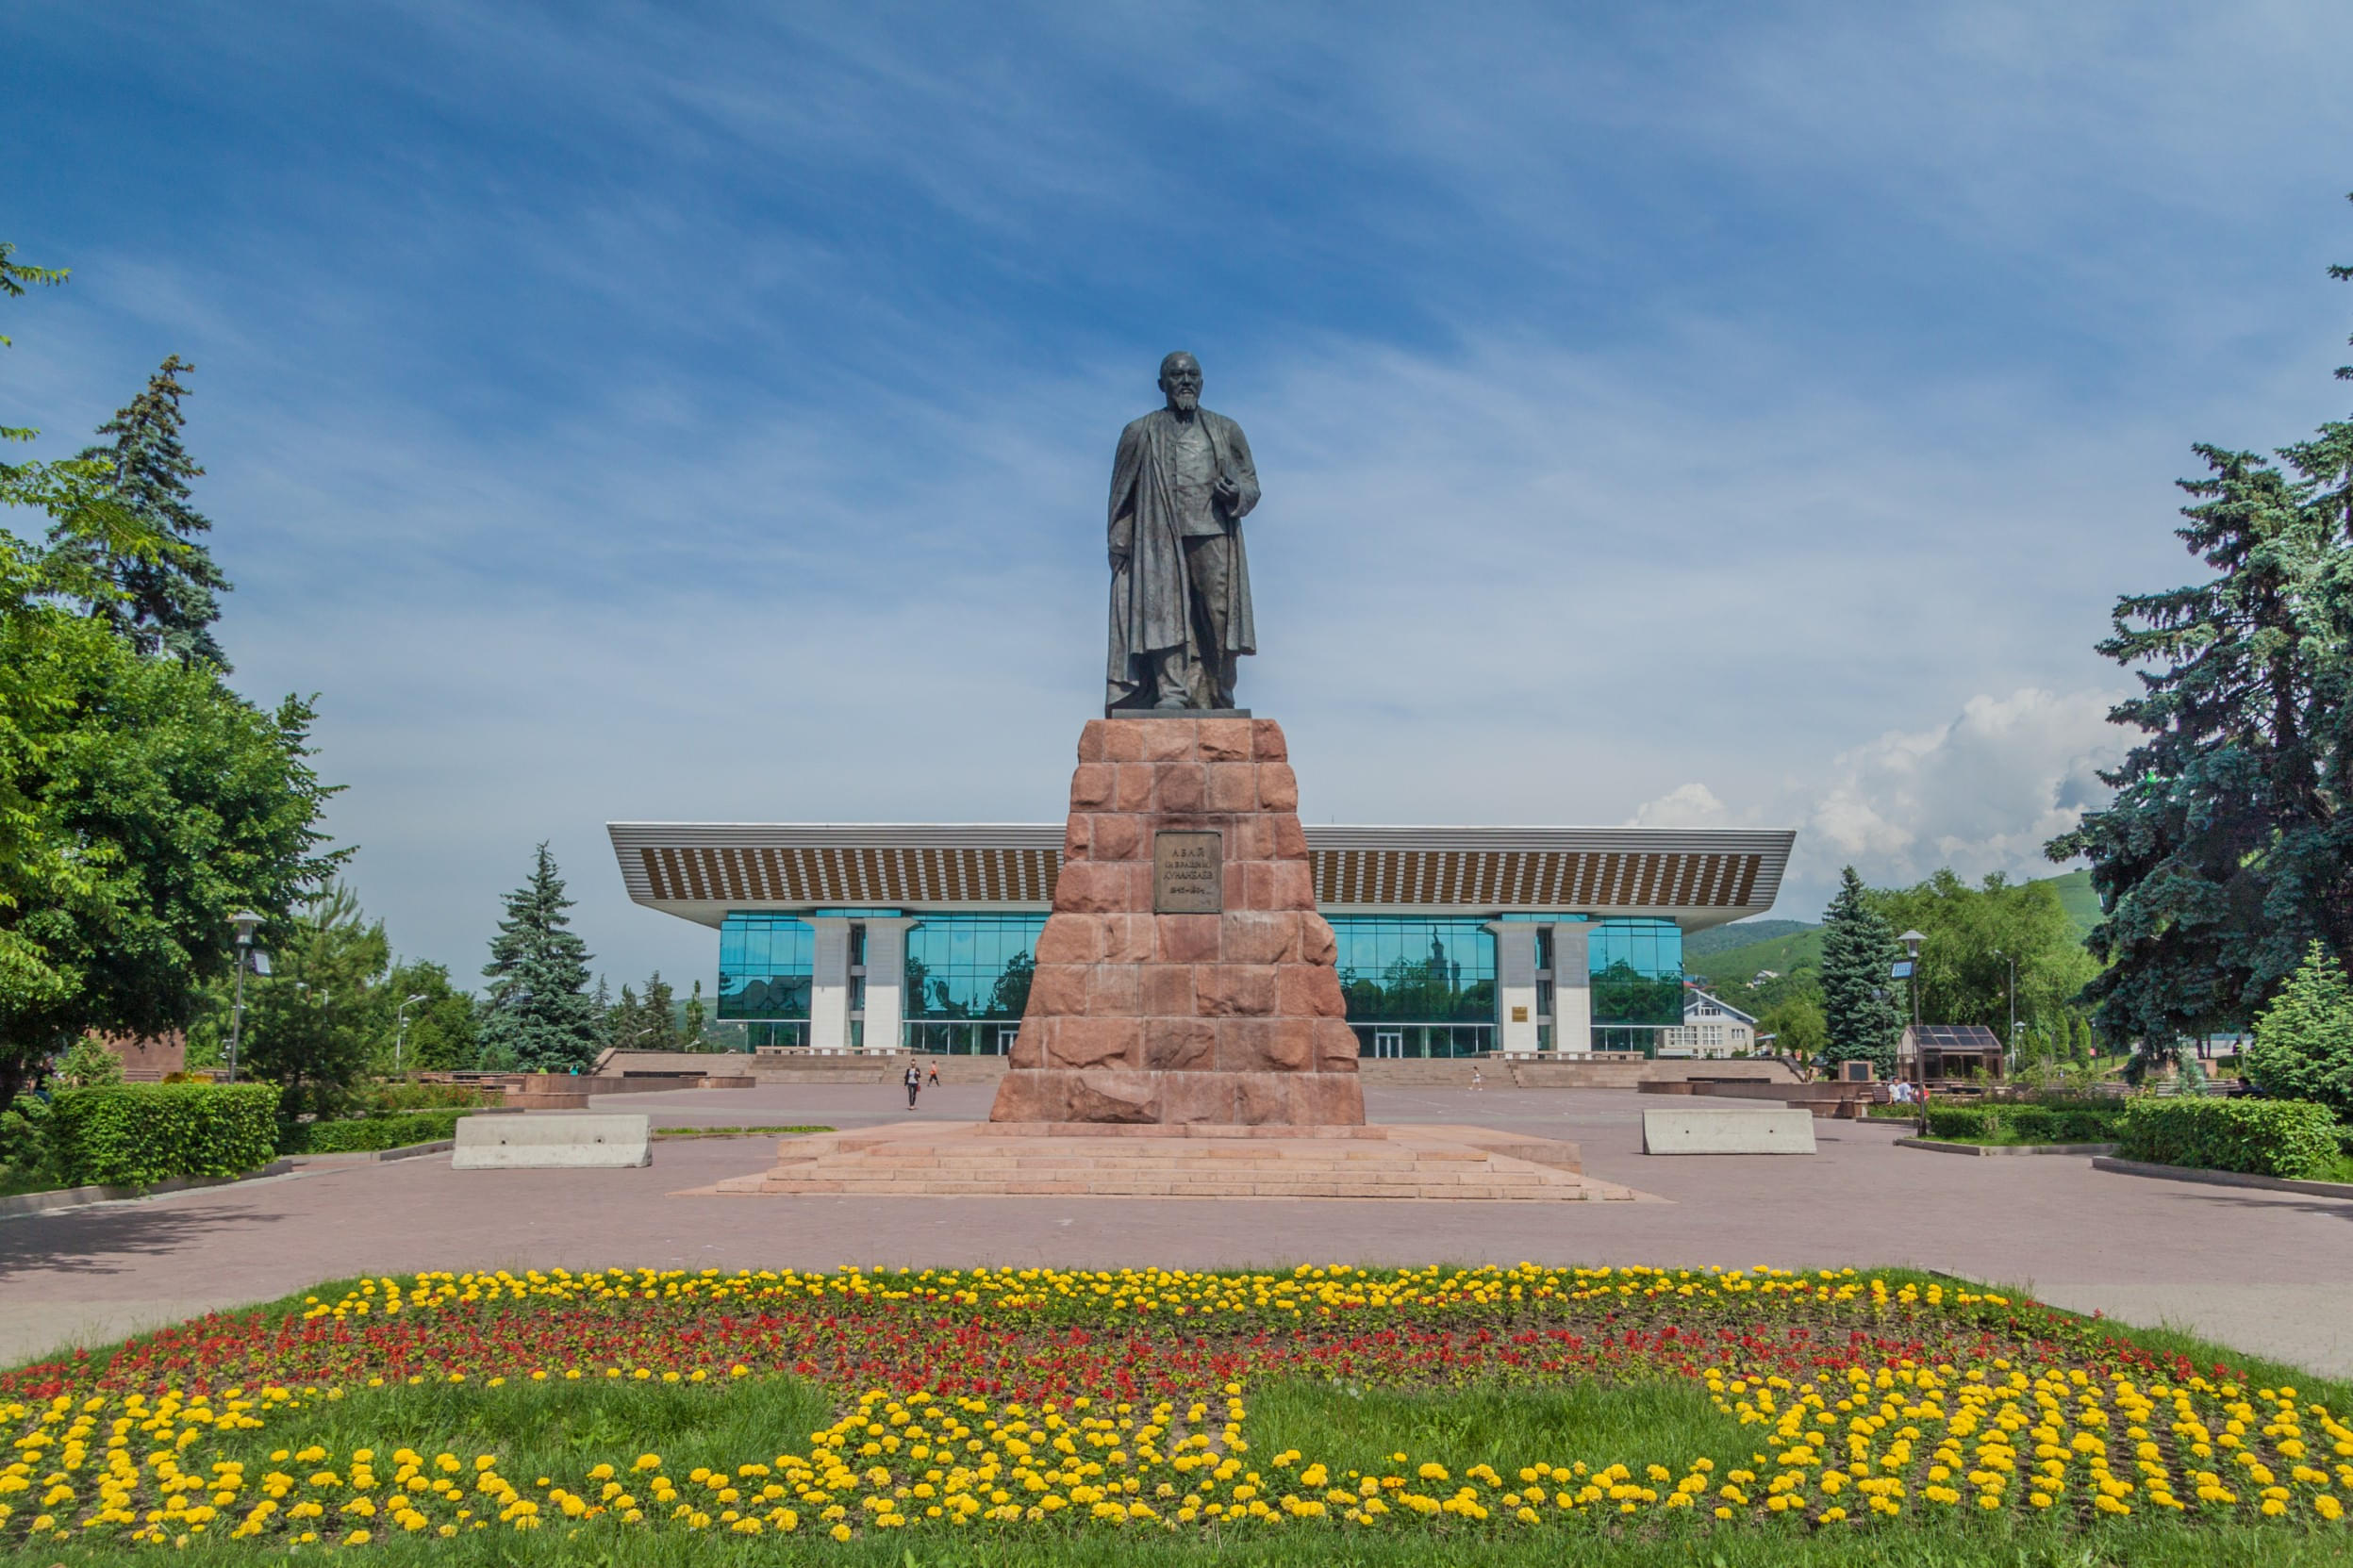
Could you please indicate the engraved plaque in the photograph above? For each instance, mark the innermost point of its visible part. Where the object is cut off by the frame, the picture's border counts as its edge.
(1188, 874)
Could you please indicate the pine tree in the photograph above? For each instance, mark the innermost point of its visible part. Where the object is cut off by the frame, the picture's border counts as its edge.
(2303, 1046)
(540, 1015)
(1858, 954)
(170, 601)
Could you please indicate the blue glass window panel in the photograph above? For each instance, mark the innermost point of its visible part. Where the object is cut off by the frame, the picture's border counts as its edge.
(971, 965)
(1637, 972)
(1429, 971)
(764, 966)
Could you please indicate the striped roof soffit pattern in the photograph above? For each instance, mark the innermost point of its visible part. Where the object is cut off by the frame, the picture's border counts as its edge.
(1700, 876)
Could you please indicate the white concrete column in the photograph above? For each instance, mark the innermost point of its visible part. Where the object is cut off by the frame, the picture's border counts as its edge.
(829, 984)
(1572, 988)
(1515, 985)
(886, 982)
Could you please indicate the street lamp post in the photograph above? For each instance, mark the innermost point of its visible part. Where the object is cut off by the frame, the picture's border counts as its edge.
(400, 1032)
(2010, 1041)
(1912, 940)
(246, 922)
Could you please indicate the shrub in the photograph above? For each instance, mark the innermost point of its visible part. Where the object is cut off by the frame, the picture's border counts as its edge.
(366, 1134)
(136, 1134)
(384, 1098)
(2067, 1122)
(2261, 1137)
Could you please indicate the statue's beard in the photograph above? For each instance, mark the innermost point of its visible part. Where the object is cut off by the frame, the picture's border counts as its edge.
(1185, 401)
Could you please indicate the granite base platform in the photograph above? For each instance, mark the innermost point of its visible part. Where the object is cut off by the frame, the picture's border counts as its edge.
(1093, 1160)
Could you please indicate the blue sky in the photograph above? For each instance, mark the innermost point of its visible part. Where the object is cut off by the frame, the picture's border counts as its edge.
(1685, 413)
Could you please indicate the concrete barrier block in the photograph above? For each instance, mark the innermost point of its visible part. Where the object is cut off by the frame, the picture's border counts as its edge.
(1726, 1132)
(559, 1142)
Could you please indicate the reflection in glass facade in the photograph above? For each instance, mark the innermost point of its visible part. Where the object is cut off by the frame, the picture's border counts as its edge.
(1637, 969)
(1415, 985)
(971, 965)
(764, 964)
(1418, 986)
(968, 981)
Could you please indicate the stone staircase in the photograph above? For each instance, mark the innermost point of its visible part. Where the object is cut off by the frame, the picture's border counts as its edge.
(1086, 1159)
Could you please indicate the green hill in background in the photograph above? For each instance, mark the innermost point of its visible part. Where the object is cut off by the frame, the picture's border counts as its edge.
(1731, 955)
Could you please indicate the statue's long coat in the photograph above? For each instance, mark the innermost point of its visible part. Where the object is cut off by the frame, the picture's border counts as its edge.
(1151, 597)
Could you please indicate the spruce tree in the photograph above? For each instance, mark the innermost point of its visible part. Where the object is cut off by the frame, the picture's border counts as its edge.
(2303, 1046)
(2225, 854)
(1861, 1021)
(169, 601)
(540, 1015)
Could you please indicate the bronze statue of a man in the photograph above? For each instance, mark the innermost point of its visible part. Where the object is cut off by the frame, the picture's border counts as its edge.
(1181, 485)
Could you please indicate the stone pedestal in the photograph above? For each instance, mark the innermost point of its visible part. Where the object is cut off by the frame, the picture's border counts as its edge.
(1184, 980)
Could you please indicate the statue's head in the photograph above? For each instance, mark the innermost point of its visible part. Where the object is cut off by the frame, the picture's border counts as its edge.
(1180, 378)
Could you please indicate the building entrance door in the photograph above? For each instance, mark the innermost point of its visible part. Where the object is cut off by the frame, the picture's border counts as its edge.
(1388, 1042)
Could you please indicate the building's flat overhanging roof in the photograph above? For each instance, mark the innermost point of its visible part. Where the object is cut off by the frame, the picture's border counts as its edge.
(1697, 876)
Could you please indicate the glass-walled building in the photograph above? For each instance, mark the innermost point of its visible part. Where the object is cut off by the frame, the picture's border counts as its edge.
(1451, 941)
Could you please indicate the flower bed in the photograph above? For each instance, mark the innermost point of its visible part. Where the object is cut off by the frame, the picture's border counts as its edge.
(843, 1407)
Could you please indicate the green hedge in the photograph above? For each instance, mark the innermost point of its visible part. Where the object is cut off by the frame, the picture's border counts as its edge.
(137, 1134)
(2262, 1137)
(366, 1134)
(2028, 1124)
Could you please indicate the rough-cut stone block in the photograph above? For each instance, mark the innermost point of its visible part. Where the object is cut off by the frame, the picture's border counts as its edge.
(1085, 888)
(1170, 739)
(1266, 1045)
(1310, 990)
(1183, 788)
(1032, 1096)
(1129, 939)
(1133, 791)
(1290, 840)
(1267, 743)
(1078, 836)
(1030, 1046)
(1165, 991)
(1255, 936)
(1328, 1099)
(1072, 938)
(1190, 1099)
(1111, 991)
(1123, 742)
(1180, 1045)
(1114, 1097)
(1232, 787)
(1115, 837)
(1336, 1048)
(1091, 786)
(1059, 990)
(1278, 787)
(1226, 739)
(1235, 990)
(1317, 943)
(1097, 1043)
(1186, 938)
(1091, 741)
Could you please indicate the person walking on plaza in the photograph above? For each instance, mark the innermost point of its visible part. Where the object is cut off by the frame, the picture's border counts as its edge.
(914, 1082)
(1475, 1080)
(933, 1081)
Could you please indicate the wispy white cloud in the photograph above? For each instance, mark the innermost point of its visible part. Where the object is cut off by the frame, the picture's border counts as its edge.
(633, 412)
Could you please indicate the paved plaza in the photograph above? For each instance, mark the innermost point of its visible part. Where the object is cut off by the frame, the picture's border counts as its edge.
(2266, 1272)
